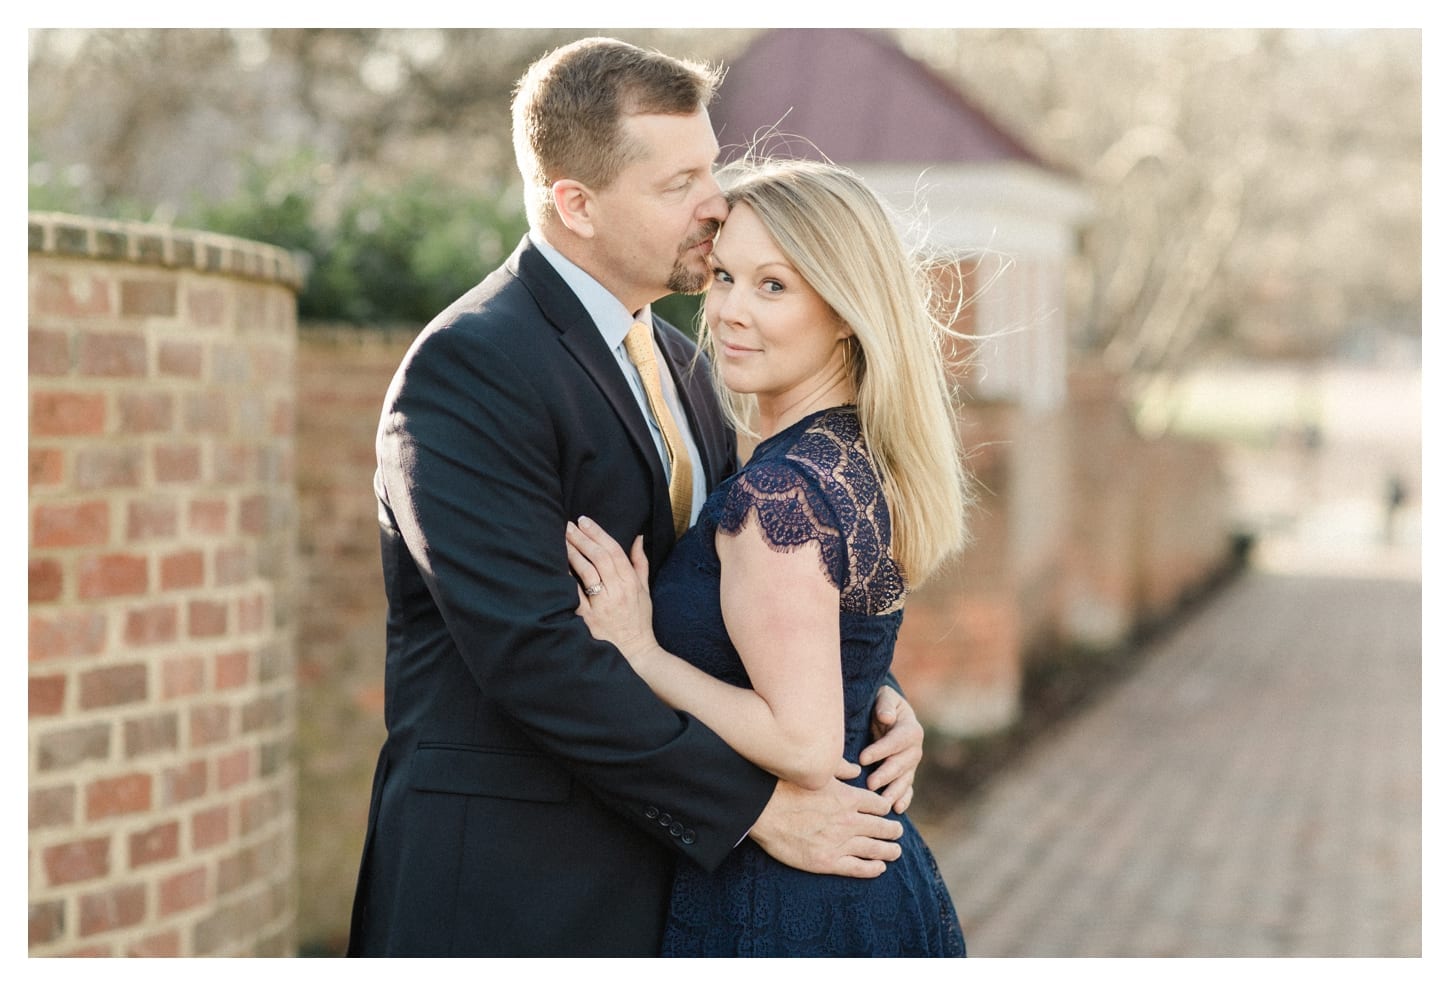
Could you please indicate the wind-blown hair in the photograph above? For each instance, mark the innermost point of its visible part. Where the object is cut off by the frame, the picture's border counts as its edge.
(837, 235)
(568, 107)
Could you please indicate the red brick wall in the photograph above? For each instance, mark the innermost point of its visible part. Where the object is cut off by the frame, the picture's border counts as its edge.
(160, 599)
(959, 651)
(1084, 531)
(1152, 520)
(341, 378)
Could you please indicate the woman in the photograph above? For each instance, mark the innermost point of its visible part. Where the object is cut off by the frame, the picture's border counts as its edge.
(780, 607)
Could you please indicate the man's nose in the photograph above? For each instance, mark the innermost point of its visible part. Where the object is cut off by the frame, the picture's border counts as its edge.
(714, 206)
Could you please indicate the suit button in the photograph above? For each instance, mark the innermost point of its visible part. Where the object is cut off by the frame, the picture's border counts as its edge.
(689, 837)
(677, 830)
(651, 812)
(665, 819)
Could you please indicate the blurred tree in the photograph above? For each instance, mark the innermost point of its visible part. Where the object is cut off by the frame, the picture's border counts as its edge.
(1259, 190)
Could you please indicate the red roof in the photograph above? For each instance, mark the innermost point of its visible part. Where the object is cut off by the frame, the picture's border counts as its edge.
(855, 97)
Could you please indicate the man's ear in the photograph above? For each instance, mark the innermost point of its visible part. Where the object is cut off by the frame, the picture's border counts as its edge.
(574, 203)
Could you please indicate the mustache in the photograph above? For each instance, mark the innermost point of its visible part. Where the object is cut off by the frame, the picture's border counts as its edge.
(705, 233)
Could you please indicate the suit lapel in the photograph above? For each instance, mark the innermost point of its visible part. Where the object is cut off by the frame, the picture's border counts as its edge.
(580, 337)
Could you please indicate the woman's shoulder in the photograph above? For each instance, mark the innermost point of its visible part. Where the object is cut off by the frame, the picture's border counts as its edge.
(820, 438)
(837, 427)
(832, 449)
(822, 456)
(819, 485)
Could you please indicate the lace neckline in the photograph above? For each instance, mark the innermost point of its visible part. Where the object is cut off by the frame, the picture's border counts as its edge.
(791, 430)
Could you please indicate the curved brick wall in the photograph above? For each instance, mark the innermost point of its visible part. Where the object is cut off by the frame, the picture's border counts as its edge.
(161, 630)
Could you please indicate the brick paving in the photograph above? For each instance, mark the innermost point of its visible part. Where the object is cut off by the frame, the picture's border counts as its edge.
(1253, 789)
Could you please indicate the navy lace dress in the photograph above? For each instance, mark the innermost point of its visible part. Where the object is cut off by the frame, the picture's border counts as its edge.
(811, 482)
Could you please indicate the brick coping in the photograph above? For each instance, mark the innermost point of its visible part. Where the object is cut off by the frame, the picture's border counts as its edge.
(64, 235)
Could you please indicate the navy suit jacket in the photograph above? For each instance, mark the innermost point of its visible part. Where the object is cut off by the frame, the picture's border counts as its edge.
(532, 795)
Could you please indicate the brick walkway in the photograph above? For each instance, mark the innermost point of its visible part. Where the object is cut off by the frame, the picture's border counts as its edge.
(1252, 790)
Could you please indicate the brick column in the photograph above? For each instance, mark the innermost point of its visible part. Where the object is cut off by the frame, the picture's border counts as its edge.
(162, 557)
(342, 626)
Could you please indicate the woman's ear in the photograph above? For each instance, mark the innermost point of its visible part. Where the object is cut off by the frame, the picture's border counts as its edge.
(574, 203)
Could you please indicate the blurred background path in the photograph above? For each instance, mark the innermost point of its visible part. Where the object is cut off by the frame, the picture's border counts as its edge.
(1253, 789)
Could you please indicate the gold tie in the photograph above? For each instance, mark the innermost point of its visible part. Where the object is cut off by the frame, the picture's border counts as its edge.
(642, 354)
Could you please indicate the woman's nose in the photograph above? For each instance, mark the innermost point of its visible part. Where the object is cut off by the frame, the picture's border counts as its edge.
(729, 307)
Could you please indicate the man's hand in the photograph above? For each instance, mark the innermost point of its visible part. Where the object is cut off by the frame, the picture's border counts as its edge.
(898, 746)
(838, 829)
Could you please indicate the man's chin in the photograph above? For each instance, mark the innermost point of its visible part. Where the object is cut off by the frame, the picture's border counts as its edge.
(683, 280)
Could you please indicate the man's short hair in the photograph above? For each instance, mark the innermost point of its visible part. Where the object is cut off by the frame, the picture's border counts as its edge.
(569, 105)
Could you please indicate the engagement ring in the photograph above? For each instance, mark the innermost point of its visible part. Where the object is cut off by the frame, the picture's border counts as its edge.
(594, 590)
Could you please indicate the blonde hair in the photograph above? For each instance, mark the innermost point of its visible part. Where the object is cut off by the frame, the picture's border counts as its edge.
(837, 235)
(568, 107)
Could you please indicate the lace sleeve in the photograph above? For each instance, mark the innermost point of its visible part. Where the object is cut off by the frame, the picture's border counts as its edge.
(823, 489)
(792, 510)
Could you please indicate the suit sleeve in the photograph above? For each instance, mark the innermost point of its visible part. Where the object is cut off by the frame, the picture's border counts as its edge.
(469, 468)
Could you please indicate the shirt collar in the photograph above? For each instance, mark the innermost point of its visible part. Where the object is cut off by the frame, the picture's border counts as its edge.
(609, 314)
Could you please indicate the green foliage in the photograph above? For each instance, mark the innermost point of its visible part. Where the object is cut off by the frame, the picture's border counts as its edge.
(373, 254)
(403, 255)
(74, 190)
(681, 310)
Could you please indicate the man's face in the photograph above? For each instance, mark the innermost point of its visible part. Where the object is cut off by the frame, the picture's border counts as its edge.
(656, 222)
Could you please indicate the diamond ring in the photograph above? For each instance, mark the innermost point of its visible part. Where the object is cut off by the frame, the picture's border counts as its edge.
(594, 590)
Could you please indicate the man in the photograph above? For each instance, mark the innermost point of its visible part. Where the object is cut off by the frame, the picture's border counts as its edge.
(532, 795)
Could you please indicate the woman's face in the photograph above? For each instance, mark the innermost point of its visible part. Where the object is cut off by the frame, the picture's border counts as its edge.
(774, 336)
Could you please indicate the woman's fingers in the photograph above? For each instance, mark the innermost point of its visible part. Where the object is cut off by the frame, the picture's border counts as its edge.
(596, 540)
(601, 550)
(602, 564)
(640, 561)
(583, 568)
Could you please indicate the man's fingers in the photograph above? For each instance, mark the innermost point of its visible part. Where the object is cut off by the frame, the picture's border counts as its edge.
(864, 848)
(892, 792)
(904, 802)
(874, 827)
(907, 735)
(866, 802)
(890, 788)
(888, 706)
(861, 868)
(890, 772)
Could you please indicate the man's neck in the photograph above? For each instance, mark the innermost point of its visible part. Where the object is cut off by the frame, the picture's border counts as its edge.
(573, 250)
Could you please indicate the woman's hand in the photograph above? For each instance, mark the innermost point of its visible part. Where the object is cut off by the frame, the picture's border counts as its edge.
(614, 590)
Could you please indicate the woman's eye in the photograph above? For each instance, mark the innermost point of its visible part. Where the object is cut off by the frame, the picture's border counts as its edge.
(772, 287)
(722, 277)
